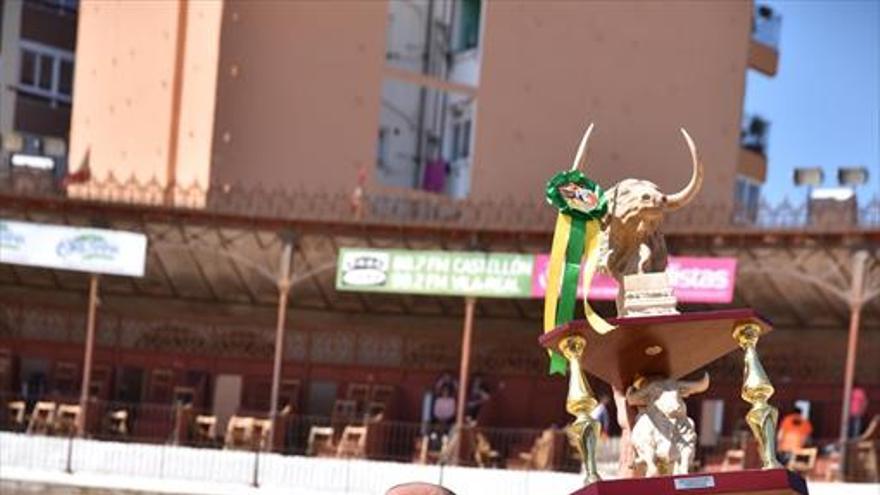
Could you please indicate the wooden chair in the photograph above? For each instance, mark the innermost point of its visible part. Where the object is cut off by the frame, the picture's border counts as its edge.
(358, 392)
(540, 456)
(424, 453)
(321, 441)
(260, 434)
(345, 412)
(375, 411)
(117, 422)
(484, 455)
(66, 418)
(42, 418)
(382, 394)
(832, 467)
(353, 442)
(872, 432)
(16, 411)
(803, 461)
(239, 433)
(206, 428)
(862, 462)
(862, 456)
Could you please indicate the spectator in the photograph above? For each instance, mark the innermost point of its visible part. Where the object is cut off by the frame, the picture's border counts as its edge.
(446, 379)
(478, 395)
(858, 405)
(600, 414)
(444, 408)
(794, 431)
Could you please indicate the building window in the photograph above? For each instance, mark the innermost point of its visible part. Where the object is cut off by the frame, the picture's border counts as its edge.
(747, 195)
(461, 139)
(468, 28)
(46, 72)
(382, 151)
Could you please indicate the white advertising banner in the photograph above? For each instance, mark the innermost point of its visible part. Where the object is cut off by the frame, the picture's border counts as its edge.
(83, 249)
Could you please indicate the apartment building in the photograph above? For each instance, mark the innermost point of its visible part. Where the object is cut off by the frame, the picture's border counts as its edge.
(37, 47)
(439, 96)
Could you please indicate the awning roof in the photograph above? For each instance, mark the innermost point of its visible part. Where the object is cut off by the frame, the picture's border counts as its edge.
(223, 257)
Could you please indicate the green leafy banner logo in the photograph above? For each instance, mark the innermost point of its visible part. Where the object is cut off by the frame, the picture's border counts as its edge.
(87, 247)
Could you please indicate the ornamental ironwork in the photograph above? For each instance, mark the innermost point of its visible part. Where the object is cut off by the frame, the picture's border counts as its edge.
(419, 208)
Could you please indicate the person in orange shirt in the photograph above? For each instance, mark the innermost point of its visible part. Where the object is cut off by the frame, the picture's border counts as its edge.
(794, 431)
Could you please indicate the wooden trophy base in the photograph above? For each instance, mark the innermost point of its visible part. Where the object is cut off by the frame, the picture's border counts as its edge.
(752, 482)
(668, 345)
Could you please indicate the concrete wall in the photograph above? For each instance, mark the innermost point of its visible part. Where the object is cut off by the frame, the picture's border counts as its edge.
(298, 92)
(123, 87)
(299, 86)
(639, 70)
(144, 89)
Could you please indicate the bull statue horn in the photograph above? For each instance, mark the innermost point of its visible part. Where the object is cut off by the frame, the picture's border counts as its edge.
(580, 158)
(637, 393)
(688, 388)
(677, 200)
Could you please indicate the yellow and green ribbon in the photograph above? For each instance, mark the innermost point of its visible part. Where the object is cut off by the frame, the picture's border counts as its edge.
(575, 238)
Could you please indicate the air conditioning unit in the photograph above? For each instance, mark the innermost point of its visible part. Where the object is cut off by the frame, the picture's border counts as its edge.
(833, 207)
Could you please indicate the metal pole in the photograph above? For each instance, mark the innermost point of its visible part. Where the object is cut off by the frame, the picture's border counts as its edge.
(87, 359)
(464, 369)
(283, 291)
(421, 140)
(859, 261)
(255, 480)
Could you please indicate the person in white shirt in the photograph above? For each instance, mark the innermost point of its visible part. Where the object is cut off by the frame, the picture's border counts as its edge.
(444, 408)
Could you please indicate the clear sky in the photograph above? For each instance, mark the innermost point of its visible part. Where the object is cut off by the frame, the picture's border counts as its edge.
(824, 102)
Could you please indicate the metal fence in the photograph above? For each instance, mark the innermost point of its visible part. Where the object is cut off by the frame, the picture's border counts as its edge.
(303, 435)
(161, 441)
(147, 468)
(417, 208)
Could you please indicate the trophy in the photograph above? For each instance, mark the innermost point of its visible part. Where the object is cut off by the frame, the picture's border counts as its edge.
(646, 350)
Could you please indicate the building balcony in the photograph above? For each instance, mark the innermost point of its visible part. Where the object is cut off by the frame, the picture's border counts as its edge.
(764, 42)
(50, 22)
(752, 159)
(41, 115)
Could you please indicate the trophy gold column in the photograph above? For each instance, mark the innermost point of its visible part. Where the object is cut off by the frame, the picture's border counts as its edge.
(757, 390)
(584, 430)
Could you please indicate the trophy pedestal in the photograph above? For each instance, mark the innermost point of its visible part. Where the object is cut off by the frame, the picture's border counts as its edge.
(671, 345)
(752, 482)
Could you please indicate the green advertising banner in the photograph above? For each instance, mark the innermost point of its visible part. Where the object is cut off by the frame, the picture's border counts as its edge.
(449, 273)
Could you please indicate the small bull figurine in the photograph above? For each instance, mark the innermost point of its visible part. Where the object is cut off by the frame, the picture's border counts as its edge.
(664, 437)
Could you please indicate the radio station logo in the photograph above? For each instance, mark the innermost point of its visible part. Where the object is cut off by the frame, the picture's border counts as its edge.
(365, 269)
(87, 247)
(9, 239)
